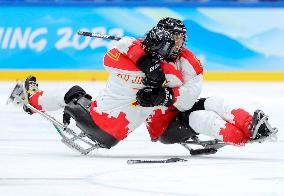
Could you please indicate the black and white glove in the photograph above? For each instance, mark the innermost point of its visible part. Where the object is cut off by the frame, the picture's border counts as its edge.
(150, 97)
(155, 76)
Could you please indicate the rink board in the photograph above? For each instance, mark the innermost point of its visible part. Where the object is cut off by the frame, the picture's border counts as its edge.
(233, 43)
(90, 75)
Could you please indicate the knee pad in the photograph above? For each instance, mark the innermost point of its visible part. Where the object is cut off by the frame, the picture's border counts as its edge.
(80, 112)
(76, 92)
(178, 130)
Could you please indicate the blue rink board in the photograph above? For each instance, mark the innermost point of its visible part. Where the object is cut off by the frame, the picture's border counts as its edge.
(225, 39)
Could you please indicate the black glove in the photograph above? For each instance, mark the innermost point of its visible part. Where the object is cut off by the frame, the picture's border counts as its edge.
(155, 76)
(150, 97)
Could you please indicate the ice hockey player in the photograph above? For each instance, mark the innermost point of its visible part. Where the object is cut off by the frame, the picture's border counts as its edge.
(210, 116)
(155, 80)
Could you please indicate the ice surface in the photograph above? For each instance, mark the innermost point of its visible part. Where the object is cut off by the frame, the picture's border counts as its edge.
(33, 161)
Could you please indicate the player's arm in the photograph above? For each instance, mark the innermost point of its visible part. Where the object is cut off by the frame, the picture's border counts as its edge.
(182, 97)
(149, 65)
(148, 53)
(192, 72)
(155, 96)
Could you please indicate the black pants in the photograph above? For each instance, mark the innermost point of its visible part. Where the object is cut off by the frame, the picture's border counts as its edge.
(178, 129)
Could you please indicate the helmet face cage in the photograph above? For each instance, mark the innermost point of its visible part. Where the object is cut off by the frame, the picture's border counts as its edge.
(159, 43)
(177, 28)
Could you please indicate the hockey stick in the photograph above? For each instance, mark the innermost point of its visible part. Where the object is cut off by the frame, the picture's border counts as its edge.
(170, 160)
(90, 34)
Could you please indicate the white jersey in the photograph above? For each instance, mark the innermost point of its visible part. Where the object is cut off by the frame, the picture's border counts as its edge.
(116, 109)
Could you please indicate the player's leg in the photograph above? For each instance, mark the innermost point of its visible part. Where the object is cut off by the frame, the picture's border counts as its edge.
(236, 116)
(78, 104)
(255, 126)
(179, 130)
(211, 124)
(44, 100)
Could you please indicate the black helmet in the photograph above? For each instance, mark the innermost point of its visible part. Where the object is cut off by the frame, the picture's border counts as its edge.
(159, 43)
(173, 25)
(176, 27)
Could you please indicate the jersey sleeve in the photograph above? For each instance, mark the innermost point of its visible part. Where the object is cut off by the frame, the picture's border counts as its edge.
(192, 72)
(131, 48)
(124, 55)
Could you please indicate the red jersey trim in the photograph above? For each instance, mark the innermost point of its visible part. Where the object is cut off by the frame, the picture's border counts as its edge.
(158, 123)
(233, 135)
(117, 127)
(135, 51)
(171, 70)
(34, 100)
(115, 59)
(242, 120)
(176, 93)
(193, 60)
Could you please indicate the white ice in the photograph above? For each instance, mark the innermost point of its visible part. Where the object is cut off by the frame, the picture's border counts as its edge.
(33, 161)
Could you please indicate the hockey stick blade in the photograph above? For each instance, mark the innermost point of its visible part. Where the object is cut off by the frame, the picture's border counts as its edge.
(170, 160)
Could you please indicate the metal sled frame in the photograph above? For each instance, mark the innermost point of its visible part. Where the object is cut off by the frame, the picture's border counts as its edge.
(271, 137)
(209, 146)
(69, 137)
(212, 146)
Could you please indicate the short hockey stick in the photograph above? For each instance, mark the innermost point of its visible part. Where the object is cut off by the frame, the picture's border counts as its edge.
(90, 34)
(170, 160)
